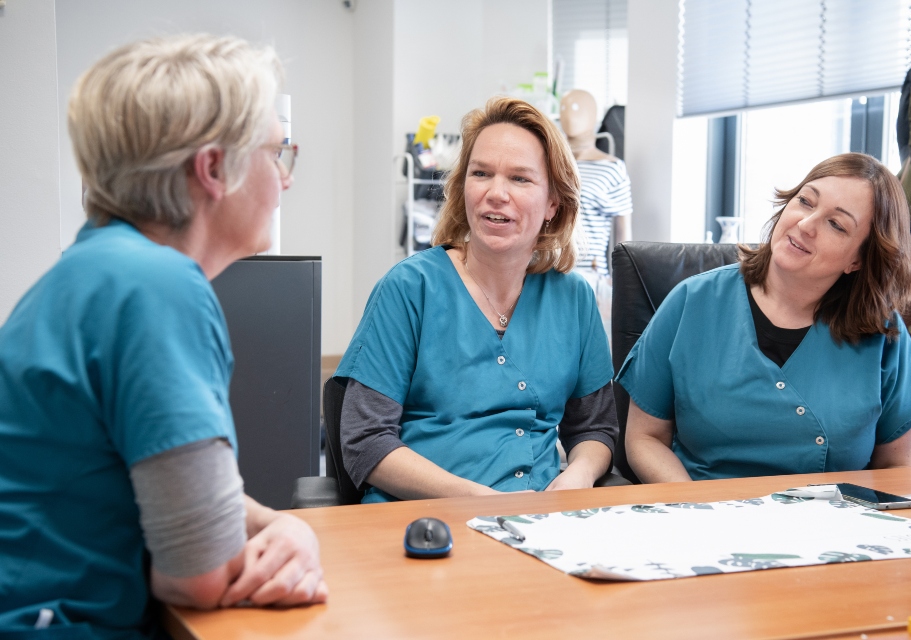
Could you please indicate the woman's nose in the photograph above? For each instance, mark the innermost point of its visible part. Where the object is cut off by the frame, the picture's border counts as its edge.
(287, 181)
(808, 224)
(498, 189)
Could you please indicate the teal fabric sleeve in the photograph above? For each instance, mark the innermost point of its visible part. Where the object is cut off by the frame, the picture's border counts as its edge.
(646, 373)
(385, 345)
(167, 369)
(896, 387)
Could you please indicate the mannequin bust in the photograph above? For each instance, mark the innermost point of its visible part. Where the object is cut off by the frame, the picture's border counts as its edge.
(605, 201)
(579, 118)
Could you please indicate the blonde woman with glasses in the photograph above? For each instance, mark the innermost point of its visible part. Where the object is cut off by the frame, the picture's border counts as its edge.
(115, 429)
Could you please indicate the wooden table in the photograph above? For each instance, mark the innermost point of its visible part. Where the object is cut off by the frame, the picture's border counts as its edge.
(485, 589)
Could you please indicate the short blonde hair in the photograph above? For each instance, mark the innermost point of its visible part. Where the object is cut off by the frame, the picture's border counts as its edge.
(139, 115)
(555, 248)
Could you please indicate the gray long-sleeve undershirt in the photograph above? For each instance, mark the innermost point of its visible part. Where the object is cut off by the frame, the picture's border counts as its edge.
(370, 426)
(191, 505)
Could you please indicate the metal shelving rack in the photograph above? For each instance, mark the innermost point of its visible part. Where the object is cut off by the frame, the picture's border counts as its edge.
(410, 183)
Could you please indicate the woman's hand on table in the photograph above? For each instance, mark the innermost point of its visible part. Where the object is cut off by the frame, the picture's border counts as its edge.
(281, 562)
(410, 476)
(570, 480)
(588, 461)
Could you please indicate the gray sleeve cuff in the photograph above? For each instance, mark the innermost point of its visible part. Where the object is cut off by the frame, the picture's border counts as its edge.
(369, 431)
(592, 417)
(191, 506)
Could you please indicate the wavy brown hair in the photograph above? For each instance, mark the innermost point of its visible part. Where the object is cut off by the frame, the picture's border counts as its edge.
(555, 247)
(861, 303)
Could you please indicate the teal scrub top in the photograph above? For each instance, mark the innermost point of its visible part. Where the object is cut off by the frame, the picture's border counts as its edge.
(739, 414)
(480, 407)
(118, 353)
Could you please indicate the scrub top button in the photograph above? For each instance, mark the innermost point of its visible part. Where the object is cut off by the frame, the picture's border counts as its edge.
(501, 360)
(522, 386)
(801, 411)
(520, 432)
(779, 385)
(820, 440)
(519, 474)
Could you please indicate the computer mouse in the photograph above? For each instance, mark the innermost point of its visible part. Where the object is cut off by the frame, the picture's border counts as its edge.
(428, 538)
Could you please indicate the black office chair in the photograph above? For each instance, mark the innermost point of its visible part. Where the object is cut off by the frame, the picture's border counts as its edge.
(336, 487)
(643, 274)
(613, 123)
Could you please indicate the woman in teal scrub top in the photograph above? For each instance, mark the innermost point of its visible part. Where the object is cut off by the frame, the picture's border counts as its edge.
(471, 353)
(793, 361)
(118, 476)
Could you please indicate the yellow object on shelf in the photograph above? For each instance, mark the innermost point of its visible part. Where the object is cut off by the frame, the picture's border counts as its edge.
(427, 128)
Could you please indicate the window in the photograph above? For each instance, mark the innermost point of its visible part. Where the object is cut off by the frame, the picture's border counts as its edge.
(737, 54)
(789, 83)
(590, 48)
(779, 146)
(890, 156)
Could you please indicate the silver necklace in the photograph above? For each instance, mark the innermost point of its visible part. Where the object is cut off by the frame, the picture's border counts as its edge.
(503, 319)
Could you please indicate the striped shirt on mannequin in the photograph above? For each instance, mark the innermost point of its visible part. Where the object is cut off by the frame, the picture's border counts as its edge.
(605, 194)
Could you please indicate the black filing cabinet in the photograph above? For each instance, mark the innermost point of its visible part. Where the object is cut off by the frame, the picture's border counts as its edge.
(272, 306)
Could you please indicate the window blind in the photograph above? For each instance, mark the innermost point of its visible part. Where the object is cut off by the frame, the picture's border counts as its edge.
(590, 41)
(738, 54)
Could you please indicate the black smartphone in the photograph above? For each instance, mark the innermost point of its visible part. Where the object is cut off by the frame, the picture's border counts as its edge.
(872, 498)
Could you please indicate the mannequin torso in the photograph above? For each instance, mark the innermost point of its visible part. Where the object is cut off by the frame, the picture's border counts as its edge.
(606, 202)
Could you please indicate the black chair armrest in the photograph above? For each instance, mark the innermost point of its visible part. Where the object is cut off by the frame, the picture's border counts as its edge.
(611, 479)
(316, 491)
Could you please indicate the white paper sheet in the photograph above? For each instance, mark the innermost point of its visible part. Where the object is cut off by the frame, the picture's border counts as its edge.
(676, 540)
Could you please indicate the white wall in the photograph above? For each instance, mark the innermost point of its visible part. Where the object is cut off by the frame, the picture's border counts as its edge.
(689, 160)
(358, 81)
(29, 192)
(650, 114)
(450, 57)
(415, 58)
(315, 41)
(372, 233)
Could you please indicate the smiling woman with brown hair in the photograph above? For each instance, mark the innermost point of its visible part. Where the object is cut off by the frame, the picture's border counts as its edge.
(794, 362)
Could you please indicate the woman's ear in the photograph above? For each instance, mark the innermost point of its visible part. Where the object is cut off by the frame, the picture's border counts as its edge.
(552, 206)
(207, 169)
(858, 260)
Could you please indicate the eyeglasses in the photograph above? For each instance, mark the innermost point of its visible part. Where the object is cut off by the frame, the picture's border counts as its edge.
(285, 156)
